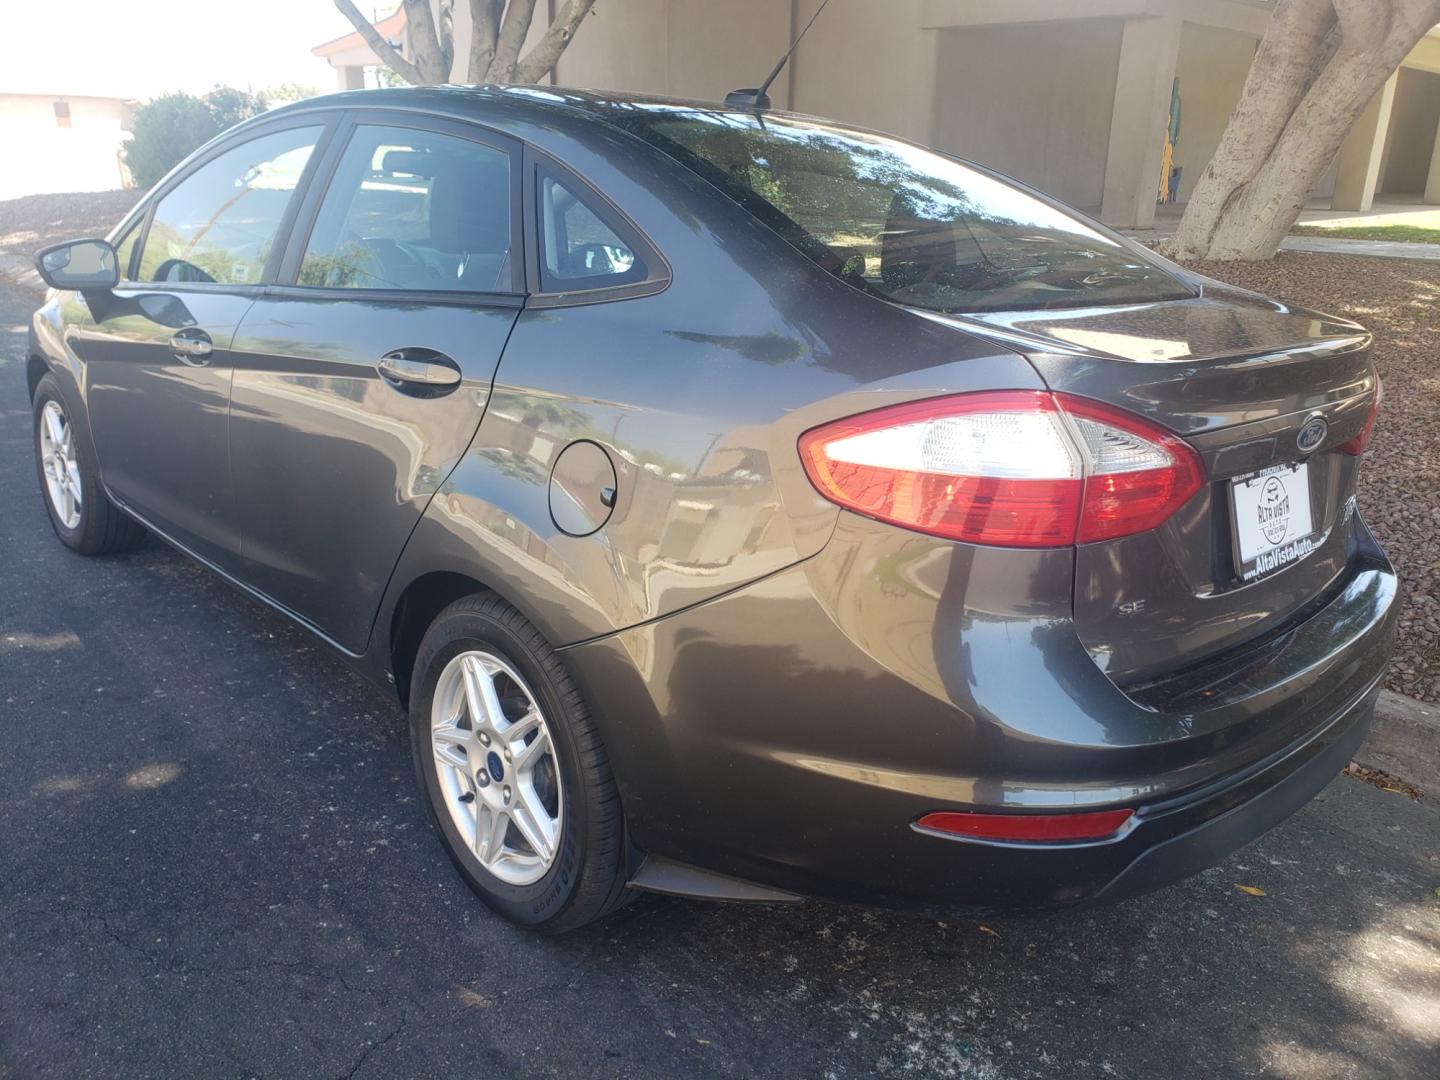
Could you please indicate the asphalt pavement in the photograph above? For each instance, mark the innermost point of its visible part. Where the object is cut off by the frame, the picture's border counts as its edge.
(213, 864)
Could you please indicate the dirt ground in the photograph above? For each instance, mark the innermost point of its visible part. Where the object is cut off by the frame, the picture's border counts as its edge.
(36, 221)
(1396, 298)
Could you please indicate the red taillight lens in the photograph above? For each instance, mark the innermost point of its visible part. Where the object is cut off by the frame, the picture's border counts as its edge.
(1012, 468)
(1359, 442)
(1035, 828)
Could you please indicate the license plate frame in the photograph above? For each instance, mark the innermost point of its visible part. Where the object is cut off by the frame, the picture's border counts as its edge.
(1272, 519)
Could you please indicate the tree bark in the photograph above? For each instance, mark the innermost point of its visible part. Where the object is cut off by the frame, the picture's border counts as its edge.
(1318, 66)
(484, 31)
(518, 14)
(541, 60)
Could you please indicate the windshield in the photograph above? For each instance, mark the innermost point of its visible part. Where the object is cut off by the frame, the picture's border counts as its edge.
(894, 219)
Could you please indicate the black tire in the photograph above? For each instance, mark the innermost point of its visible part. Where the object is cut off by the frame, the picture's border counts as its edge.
(587, 879)
(103, 528)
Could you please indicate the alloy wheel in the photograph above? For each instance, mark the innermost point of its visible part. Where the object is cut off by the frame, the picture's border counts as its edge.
(495, 760)
(62, 471)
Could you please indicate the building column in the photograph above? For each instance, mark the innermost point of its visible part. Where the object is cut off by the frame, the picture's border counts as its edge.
(1357, 170)
(1432, 178)
(350, 77)
(1144, 76)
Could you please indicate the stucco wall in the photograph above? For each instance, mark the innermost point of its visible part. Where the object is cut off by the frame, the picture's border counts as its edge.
(685, 48)
(1211, 67)
(1031, 101)
(873, 66)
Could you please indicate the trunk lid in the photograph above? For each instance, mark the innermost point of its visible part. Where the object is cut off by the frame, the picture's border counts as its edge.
(1238, 377)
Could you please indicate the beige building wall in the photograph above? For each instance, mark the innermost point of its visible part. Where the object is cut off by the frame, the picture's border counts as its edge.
(1050, 128)
(1211, 67)
(1414, 118)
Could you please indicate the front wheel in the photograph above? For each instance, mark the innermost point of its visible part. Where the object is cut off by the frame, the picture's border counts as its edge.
(82, 515)
(514, 772)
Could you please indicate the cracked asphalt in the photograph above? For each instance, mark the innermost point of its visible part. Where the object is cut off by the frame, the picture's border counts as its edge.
(213, 864)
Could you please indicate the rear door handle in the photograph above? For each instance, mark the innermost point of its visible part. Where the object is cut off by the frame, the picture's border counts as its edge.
(192, 346)
(422, 371)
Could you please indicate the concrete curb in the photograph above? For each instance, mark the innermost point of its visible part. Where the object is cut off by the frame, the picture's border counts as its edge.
(1404, 741)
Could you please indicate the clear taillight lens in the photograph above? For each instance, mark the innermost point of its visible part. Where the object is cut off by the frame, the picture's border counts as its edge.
(1013, 468)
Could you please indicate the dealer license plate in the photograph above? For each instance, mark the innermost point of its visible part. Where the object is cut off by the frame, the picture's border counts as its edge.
(1273, 524)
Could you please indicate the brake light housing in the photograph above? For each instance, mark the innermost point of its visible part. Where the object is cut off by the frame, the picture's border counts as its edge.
(1008, 468)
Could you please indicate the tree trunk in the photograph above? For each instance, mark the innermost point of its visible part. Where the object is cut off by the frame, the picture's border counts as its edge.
(1318, 66)
(498, 32)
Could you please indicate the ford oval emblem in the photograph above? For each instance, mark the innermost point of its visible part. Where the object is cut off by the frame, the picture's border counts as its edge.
(1312, 434)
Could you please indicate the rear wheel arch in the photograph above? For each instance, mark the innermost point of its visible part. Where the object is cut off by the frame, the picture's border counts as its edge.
(418, 605)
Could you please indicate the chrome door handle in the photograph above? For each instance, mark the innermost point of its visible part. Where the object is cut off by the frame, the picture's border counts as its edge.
(193, 347)
(419, 368)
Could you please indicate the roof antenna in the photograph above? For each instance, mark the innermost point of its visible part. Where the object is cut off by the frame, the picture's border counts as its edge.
(757, 98)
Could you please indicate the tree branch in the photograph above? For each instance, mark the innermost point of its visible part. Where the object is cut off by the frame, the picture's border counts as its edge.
(379, 46)
(518, 14)
(542, 58)
(484, 29)
(425, 41)
(1363, 23)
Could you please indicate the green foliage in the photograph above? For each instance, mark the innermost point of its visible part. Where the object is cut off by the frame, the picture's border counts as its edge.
(168, 128)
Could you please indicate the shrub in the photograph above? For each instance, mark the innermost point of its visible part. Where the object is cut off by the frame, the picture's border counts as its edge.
(169, 127)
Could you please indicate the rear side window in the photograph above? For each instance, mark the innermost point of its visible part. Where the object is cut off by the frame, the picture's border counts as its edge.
(414, 210)
(578, 249)
(900, 221)
(219, 223)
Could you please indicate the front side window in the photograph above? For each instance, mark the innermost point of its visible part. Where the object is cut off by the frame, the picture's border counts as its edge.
(902, 222)
(219, 224)
(413, 210)
(124, 249)
(578, 249)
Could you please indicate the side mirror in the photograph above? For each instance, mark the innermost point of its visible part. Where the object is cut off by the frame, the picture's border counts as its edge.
(79, 265)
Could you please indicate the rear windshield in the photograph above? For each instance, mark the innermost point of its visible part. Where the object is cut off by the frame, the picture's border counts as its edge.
(894, 219)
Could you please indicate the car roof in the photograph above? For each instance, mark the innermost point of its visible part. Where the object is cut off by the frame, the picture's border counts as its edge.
(503, 107)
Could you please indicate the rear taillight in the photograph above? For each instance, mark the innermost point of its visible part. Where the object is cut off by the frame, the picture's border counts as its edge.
(1012, 468)
(1359, 442)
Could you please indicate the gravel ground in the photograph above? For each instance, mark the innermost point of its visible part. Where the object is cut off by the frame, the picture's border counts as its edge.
(1400, 479)
(36, 221)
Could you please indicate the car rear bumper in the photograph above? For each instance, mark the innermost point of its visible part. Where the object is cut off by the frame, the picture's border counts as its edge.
(792, 732)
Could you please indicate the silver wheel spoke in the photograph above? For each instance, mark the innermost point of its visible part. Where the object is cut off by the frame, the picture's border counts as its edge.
(527, 756)
(55, 421)
(72, 480)
(480, 696)
(533, 823)
(515, 733)
(491, 824)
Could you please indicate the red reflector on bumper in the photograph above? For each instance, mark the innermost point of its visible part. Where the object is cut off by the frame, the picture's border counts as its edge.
(1094, 825)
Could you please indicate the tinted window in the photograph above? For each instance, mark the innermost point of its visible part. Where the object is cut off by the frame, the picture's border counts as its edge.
(219, 223)
(578, 249)
(413, 210)
(900, 221)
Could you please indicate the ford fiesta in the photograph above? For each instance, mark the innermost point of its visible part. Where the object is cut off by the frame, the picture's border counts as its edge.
(741, 505)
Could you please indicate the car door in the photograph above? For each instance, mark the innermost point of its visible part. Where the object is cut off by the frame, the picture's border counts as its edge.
(361, 376)
(157, 348)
